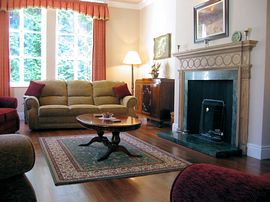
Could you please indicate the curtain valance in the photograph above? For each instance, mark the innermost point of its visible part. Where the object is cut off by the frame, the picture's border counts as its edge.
(97, 11)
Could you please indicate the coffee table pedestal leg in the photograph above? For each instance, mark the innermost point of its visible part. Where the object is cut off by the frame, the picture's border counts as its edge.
(98, 138)
(114, 146)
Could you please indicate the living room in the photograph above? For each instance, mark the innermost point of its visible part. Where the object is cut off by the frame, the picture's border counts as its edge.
(133, 25)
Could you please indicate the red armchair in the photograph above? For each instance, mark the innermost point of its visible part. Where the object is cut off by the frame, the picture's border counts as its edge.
(9, 119)
(210, 183)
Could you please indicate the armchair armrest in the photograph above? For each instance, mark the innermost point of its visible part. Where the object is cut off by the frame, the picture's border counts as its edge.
(17, 155)
(8, 102)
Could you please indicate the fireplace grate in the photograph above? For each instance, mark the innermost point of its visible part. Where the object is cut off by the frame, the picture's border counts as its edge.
(212, 119)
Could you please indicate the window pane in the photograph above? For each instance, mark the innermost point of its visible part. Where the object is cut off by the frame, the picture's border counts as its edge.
(85, 24)
(14, 70)
(85, 47)
(14, 19)
(65, 21)
(32, 69)
(32, 44)
(65, 70)
(66, 46)
(14, 43)
(32, 19)
(84, 71)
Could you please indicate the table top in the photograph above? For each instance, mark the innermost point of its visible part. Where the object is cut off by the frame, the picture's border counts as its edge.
(126, 123)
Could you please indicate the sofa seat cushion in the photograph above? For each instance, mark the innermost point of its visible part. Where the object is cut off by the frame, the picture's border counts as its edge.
(76, 110)
(7, 114)
(54, 110)
(113, 108)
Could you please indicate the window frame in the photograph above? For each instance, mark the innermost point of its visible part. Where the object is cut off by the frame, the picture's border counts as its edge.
(76, 59)
(22, 31)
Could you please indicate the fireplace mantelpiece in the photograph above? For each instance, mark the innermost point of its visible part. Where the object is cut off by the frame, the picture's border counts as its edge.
(221, 57)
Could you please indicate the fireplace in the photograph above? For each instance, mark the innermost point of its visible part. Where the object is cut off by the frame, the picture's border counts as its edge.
(211, 104)
(220, 73)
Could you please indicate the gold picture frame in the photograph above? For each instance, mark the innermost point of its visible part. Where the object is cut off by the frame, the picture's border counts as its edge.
(162, 46)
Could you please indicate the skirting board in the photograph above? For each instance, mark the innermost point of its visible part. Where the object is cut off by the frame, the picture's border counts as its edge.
(258, 152)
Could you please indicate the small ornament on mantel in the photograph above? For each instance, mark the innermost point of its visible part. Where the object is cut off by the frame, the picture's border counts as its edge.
(178, 48)
(247, 32)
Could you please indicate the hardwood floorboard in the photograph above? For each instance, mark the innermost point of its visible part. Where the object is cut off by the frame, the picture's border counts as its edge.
(148, 188)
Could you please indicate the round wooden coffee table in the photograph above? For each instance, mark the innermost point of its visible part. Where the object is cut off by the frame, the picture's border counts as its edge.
(126, 123)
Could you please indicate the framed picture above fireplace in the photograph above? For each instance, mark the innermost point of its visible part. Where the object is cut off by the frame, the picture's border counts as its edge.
(211, 20)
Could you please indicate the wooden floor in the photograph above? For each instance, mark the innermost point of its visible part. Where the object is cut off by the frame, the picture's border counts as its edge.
(151, 188)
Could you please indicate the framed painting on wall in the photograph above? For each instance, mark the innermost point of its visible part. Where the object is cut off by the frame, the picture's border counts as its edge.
(162, 47)
(211, 20)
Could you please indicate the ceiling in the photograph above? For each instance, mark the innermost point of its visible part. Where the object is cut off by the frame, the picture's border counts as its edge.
(127, 1)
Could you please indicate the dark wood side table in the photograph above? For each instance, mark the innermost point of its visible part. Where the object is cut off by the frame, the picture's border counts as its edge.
(127, 123)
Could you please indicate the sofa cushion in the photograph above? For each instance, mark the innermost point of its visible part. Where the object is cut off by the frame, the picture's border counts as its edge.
(121, 91)
(113, 108)
(54, 110)
(80, 92)
(76, 110)
(54, 93)
(103, 93)
(34, 89)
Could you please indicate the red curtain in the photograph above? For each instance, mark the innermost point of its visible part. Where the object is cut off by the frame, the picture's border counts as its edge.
(99, 12)
(95, 10)
(4, 54)
(99, 51)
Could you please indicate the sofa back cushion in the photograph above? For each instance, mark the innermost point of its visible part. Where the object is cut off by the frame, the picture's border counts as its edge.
(103, 92)
(80, 92)
(54, 93)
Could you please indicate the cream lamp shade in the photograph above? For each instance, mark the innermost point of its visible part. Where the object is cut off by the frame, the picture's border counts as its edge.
(132, 58)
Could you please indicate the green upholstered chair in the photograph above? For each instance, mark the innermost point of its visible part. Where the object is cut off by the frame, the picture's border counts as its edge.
(17, 156)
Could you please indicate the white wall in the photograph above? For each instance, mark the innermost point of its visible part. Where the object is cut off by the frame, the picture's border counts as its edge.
(122, 35)
(157, 19)
(243, 14)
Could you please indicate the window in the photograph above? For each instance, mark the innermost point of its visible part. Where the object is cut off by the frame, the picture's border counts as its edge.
(26, 45)
(74, 46)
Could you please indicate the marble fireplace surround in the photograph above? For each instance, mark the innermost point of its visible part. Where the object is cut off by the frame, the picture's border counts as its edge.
(230, 56)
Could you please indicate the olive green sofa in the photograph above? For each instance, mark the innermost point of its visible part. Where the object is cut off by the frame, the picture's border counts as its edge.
(61, 101)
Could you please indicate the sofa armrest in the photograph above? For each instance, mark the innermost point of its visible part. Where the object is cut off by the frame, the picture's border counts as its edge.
(8, 102)
(32, 106)
(17, 155)
(31, 102)
(129, 101)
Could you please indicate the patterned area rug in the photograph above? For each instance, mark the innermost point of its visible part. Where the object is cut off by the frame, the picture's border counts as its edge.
(70, 163)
